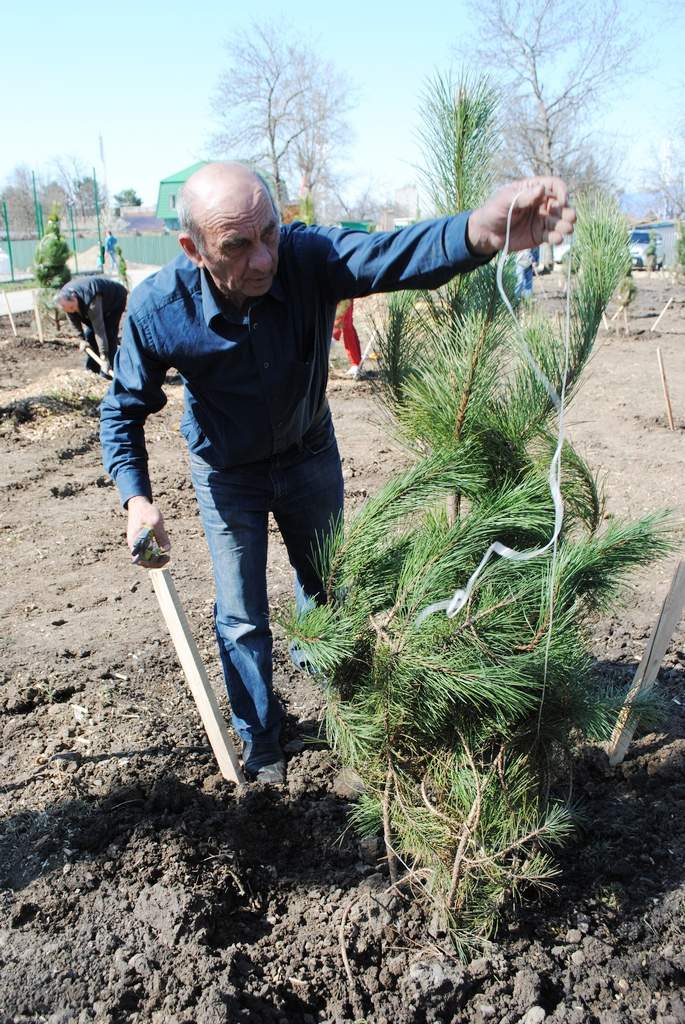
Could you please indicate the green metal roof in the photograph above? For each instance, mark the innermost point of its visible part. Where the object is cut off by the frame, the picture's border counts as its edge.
(357, 225)
(168, 189)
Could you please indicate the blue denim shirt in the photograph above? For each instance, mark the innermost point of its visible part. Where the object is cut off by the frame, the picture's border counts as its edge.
(255, 380)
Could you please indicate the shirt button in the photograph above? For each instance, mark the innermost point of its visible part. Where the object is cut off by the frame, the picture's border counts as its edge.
(266, 366)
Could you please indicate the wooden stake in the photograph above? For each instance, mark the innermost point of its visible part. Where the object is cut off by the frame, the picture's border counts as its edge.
(617, 313)
(648, 669)
(664, 384)
(36, 311)
(658, 319)
(9, 312)
(365, 354)
(537, 274)
(605, 322)
(625, 320)
(191, 662)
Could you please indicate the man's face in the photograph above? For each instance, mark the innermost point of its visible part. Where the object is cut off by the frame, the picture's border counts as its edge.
(240, 248)
(69, 305)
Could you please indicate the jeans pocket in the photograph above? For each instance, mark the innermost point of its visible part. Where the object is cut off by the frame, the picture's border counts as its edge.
(319, 447)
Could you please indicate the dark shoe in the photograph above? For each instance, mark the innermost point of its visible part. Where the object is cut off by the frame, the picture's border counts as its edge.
(271, 774)
(264, 763)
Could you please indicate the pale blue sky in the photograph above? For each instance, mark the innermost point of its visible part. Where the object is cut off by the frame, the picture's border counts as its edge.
(142, 73)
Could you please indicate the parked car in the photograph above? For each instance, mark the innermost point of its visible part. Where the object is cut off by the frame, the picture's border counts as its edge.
(639, 244)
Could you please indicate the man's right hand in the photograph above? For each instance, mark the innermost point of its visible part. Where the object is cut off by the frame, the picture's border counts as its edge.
(142, 514)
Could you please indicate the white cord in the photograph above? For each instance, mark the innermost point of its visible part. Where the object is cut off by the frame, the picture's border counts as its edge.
(454, 605)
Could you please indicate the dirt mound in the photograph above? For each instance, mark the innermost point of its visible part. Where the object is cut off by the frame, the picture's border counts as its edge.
(136, 885)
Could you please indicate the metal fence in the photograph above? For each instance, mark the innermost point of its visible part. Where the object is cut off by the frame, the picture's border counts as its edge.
(155, 250)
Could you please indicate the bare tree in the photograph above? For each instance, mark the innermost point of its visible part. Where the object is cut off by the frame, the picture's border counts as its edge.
(368, 203)
(322, 112)
(279, 106)
(668, 185)
(68, 170)
(556, 60)
(18, 194)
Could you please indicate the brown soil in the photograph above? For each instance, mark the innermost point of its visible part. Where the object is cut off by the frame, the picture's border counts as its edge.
(136, 885)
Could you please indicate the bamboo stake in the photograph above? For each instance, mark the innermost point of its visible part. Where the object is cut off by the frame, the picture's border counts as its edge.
(36, 311)
(648, 669)
(658, 319)
(664, 384)
(9, 312)
(196, 676)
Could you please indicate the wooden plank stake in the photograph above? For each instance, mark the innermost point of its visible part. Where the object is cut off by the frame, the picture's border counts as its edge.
(648, 669)
(617, 313)
(658, 319)
(605, 322)
(36, 311)
(191, 662)
(625, 320)
(9, 312)
(664, 385)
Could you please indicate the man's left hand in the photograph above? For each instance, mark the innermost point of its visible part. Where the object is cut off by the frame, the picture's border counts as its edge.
(541, 214)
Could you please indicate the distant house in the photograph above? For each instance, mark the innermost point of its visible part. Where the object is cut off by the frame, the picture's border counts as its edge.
(168, 190)
(139, 219)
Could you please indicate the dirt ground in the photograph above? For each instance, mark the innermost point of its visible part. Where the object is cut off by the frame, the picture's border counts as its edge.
(136, 885)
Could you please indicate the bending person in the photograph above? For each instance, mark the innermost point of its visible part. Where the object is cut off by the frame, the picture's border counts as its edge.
(95, 306)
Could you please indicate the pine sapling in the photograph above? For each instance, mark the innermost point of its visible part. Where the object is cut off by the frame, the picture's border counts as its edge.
(50, 263)
(460, 728)
(680, 247)
(122, 268)
(52, 254)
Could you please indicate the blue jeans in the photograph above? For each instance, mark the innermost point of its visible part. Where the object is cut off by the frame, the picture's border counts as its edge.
(524, 282)
(304, 491)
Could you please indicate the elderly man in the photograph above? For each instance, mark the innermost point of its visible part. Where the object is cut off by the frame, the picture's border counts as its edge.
(95, 306)
(245, 315)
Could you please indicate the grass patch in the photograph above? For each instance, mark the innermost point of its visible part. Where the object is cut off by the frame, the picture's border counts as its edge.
(18, 286)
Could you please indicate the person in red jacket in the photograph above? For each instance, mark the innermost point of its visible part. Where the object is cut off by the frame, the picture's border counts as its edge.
(344, 325)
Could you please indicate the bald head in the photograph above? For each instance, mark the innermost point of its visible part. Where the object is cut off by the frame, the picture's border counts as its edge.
(230, 228)
(225, 188)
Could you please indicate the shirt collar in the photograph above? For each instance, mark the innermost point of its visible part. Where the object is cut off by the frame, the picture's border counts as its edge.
(211, 307)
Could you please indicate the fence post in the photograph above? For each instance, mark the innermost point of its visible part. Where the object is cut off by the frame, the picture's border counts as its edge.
(70, 208)
(36, 207)
(7, 235)
(101, 262)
